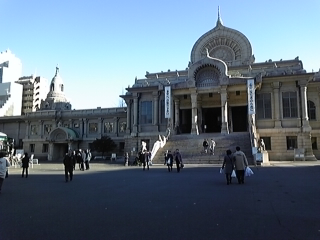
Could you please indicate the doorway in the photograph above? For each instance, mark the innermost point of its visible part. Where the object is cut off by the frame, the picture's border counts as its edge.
(185, 121)
(239, 118)
(211, 120)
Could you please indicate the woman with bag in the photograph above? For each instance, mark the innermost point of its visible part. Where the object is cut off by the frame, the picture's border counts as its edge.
(227, 166)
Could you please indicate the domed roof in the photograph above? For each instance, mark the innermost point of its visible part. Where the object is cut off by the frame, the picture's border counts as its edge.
(56, 88)
(223, 43)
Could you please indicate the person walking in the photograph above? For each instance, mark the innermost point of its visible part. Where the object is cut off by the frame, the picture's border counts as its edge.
(80, 160)
(88, 158)
(240, 164)
(68, 166)
(178, 159)
(4, 164)
(212, 146)
(205, 145)
(227, 165)
(126, 159)
(74, 159)
(25, 164)
(169, 161)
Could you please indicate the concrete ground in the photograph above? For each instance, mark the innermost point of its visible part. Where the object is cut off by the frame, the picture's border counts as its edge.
(110, 201)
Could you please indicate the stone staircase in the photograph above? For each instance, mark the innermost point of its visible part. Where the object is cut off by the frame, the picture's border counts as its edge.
(192, 152)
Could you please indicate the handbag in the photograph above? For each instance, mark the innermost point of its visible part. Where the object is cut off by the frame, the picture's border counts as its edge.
(248, 172)
(233, 174)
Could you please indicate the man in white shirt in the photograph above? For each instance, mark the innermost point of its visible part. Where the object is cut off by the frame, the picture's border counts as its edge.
(4, 164)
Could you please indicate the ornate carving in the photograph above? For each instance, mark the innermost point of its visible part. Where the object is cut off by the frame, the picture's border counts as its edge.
(207, 77)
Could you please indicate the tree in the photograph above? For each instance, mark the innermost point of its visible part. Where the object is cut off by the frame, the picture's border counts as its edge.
(104, 145)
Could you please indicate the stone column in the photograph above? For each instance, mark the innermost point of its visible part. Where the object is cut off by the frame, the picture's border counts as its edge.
(100, 120)
(155, 108)
(224, 111)
(135, 114)
(85, 127)
(177, 115)
(81, 127)
(194, 121)
(27, 129)
(276, 103)
(41, 128)
(50, 152)
(116, 127)
(128, 102)
(199, 108)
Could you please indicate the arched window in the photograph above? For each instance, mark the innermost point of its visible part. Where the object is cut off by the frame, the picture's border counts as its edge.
(311, 110)
(61, 87)
(52, 87)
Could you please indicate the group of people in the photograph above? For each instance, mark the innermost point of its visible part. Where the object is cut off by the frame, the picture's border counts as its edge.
(208, 147)
(169, 158)
(82, 157)
(237, 162)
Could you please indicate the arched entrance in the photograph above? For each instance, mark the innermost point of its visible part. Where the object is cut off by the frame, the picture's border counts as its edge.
(61, 140)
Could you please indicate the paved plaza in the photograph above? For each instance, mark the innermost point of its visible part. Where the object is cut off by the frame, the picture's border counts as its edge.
(281, 201)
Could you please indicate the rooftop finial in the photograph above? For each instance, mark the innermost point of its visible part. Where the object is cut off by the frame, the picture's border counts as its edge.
(219, 21)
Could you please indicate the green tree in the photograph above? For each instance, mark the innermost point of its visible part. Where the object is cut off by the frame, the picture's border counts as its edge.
(104, 145)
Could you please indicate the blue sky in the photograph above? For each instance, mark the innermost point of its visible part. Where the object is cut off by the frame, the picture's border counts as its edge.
(102, 45)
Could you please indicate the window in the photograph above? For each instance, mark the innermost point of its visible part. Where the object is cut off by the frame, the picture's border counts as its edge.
(47, 128)
(66, 125)
(34, 130)
(267, 142)
(289, 104)
(32, 147)
(76, 125)
(314, 143)
(93, 127)
(45, 148)
(264, 106)
(146, 112)
(311, 110)
(108, 127)
(291, 142)
(122, 127)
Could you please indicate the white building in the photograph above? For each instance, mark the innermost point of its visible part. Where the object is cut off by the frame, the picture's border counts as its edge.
(10, 92)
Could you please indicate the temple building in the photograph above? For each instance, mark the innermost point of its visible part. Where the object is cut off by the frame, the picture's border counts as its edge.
(222, 92)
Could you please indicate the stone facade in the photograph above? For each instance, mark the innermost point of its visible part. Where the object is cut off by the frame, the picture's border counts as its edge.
(221, 91)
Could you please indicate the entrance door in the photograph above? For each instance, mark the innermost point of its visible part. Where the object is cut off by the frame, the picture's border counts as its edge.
(185, 120)
(59, 151)
(211, 118)
(239, 118)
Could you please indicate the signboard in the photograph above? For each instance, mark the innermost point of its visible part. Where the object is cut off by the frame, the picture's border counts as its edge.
(251, 97)
(167, 102)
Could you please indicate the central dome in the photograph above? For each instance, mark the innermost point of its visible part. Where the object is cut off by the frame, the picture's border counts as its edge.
(226, 44)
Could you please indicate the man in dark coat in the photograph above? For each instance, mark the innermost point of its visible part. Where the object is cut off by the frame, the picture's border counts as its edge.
(169, 161)
(178, 158)
(68, 166)
(25, 164)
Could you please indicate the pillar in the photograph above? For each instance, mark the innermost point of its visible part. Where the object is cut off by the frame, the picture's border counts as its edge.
(50, 152)
(177, 115)
(199, 109)
(224, 111)
(194, 120)
(128, 102)
(155, 108)
(276, 103)
(135, 114)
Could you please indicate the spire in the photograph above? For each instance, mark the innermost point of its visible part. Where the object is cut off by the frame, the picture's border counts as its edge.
(219, 21)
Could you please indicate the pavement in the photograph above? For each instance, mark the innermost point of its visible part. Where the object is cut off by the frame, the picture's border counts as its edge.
(111, 201)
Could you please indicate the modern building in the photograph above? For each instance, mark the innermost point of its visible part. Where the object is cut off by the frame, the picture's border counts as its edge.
(222, 91)
(35, 90)
(10, 92)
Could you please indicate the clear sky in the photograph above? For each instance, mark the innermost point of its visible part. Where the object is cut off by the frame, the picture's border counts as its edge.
(102, 45)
